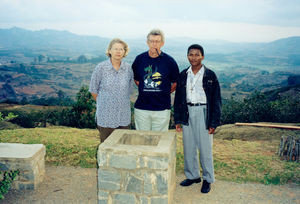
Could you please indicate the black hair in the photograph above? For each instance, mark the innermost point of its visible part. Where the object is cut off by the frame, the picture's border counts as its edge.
(197, 47)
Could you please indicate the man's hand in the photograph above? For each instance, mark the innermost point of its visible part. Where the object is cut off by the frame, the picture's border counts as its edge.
(211, 130)
(173, 87)
(137, 83)
(178, 128)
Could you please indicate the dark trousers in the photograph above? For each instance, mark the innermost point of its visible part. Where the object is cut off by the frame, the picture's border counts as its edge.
(106, 131)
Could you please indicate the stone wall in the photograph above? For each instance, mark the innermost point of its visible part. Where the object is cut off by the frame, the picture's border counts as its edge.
(29, 159)
(137, 167)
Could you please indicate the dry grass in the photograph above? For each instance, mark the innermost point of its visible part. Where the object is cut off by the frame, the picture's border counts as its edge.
(29, 108)
(246, 133)
(244, 154)
(252, 161)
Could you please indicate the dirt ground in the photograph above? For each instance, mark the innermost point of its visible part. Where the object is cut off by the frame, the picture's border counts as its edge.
(79, 185)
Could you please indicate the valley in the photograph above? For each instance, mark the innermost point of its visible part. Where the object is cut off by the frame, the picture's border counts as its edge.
(39, 64)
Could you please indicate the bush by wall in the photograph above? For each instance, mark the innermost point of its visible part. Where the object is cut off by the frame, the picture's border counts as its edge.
(5, 183)
(258, 108)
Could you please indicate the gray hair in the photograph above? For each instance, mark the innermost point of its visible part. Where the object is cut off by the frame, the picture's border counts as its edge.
(156, 32)
(114, 41)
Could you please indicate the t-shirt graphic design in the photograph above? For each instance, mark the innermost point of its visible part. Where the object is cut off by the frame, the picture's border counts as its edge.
(152, 79)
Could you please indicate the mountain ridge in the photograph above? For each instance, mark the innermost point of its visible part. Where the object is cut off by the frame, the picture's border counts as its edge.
(48, 61)
(49, 38)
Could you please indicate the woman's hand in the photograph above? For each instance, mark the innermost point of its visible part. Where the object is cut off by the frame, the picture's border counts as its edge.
(211, 130)
(178, 128)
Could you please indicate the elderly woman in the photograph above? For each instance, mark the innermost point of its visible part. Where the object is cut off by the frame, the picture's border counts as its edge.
(110, 86)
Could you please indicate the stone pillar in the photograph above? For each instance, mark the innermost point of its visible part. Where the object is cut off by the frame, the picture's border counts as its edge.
(137, 167)
(29, 159)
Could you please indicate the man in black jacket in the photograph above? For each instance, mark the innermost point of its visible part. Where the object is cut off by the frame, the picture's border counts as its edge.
(197, 108)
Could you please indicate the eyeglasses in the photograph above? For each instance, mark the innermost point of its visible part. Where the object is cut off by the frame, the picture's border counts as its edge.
(154, 41)
(118, 49)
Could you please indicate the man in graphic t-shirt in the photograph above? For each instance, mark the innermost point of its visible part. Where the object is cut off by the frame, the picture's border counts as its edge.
(155, 74)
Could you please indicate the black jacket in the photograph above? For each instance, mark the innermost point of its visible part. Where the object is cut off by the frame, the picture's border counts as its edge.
(213, 96)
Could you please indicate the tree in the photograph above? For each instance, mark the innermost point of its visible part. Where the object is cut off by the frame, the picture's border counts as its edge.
(63, 99)
(232, 111)
(82, 59)
(82, 113)
(10, 116)
(24, 101)
(41, 58)
(257, 108)
(293, 80)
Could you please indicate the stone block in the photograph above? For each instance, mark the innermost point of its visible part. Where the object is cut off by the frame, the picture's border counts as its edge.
(144, 200)
(29, 159)
(162, 183)
(27, 175)
(141, 163)
(102, 158)
(157, 163)
(102, 197)
(109, 179)
(149, 183)
(102, 201)
(123, 161)
(4, 167)
(102, 194)
(159, 200)
(134, 184)
(25, 186)
(122, 198)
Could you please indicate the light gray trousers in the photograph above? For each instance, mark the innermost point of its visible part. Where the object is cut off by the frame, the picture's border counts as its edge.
(196, 137)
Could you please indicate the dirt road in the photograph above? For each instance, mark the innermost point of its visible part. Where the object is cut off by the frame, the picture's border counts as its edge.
(79, 185)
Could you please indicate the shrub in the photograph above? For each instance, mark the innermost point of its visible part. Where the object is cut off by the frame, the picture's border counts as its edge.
(34, 118)
(82, 112)
(10, 116)
(258, 108)
(5, 184)
(25, 119)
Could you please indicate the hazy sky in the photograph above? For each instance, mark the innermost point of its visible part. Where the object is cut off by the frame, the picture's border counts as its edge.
(232, 20)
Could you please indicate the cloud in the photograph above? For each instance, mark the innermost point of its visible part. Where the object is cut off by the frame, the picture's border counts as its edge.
(237, 20)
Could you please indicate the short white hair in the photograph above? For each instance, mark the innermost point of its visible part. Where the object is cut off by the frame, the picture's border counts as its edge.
(156, 32)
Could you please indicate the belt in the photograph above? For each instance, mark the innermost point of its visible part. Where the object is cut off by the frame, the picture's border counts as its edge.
(196, 104)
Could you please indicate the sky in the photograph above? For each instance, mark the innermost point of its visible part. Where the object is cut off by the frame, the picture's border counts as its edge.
(230, 20)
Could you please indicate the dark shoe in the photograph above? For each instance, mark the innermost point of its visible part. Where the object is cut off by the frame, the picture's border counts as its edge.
(188, 182)
(205, 187)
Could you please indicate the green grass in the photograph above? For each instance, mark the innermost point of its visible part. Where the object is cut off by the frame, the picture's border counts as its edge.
(64, 146)
(249, 157)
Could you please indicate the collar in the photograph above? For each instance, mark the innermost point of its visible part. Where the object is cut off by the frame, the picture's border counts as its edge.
(189, 70)
(121, 65)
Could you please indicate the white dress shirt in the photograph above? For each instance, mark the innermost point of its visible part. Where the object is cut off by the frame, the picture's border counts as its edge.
(194, 87)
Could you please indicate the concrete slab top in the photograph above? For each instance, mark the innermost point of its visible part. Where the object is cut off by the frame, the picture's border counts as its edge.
(17, 150)
(139, 142)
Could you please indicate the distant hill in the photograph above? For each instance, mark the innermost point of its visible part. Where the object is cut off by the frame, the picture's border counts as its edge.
(241, 67)
(283, 51)
(291, 91)
(284, 46)
(18, 38)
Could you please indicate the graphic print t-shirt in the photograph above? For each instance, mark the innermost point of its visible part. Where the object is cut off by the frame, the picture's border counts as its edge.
(155, 76)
